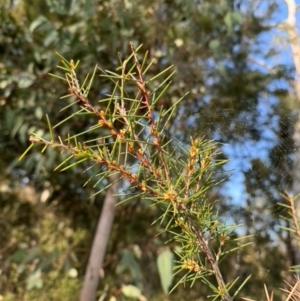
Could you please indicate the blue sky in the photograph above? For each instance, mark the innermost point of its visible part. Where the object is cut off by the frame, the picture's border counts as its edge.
(241, 154)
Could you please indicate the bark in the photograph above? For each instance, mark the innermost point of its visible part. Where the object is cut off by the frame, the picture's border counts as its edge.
(91, 279)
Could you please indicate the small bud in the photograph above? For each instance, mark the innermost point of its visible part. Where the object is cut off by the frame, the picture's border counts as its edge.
(101, 114)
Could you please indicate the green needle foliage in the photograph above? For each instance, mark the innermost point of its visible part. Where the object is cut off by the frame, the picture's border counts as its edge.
(129, 141)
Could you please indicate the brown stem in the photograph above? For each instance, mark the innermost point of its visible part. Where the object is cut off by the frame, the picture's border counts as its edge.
(205, 248)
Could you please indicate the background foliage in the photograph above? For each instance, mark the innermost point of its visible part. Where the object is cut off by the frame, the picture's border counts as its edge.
(217, 48)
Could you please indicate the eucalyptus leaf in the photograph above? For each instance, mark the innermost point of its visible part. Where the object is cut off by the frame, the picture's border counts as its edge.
(34, 280)
(228, 22)
(37, 22)
(131, 291)
(165, 269)
(38, 112)
(51, 38)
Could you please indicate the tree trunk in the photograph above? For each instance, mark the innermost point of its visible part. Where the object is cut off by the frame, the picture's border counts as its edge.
(290, 27)
(91, 279)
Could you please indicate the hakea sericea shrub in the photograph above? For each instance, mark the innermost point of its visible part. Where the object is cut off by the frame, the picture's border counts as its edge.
(130, 141)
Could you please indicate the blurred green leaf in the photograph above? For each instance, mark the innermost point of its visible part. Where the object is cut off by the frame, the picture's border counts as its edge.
(37, 22)
(18, 256)
(38, 112)
(214, 44)
(34, 280)
(129, 262)
(17, 124)
(32, 254)
(25, 79)
(51, 38)
(165, 269)
(49, 260)
(228, 22)
(131, 291)
(237, 17)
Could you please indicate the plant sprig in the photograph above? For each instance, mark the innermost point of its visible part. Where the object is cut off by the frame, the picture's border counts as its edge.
(136, 146)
